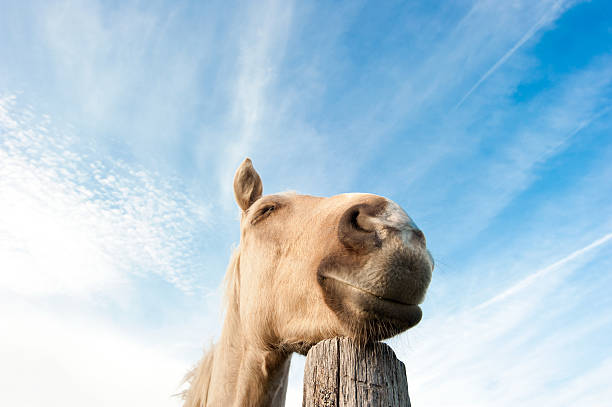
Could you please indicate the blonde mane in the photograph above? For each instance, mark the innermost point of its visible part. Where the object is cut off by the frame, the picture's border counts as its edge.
(231, 282)
(198, 378)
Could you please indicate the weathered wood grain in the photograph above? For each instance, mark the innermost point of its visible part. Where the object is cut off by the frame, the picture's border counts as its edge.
(342, 373)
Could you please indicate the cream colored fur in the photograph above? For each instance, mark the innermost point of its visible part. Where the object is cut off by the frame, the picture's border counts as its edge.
(274, 304)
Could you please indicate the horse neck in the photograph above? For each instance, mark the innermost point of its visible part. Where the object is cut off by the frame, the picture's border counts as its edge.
(244, 373)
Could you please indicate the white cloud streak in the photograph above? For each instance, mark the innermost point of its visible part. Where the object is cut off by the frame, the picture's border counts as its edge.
(261, 46)
(511, 348)
(72, 222)
(531, 279)
(552, 14)
(76, 227)
(483, 189)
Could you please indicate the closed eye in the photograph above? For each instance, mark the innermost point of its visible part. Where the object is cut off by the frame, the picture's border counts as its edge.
(262, 213)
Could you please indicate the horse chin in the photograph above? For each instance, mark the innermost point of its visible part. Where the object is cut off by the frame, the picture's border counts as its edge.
(368, 317)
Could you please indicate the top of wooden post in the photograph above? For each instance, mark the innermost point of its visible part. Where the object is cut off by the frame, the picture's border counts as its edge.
(340, 372)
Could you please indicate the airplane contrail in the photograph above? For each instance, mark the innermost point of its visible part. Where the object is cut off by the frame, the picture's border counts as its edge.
(543, 20)
(531, 278)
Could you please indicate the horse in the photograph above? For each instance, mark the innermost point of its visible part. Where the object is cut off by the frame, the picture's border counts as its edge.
(307, 269)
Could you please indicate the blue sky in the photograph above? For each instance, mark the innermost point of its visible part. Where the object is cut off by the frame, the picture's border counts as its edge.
(121, 124)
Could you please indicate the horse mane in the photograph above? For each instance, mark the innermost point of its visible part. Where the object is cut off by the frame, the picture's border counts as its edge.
(198, 378)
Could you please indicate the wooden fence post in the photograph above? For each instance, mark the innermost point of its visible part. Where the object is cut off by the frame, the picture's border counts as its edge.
(340, 373)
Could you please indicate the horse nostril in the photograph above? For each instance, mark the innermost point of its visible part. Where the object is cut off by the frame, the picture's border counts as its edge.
(353, 219)
(357, 228)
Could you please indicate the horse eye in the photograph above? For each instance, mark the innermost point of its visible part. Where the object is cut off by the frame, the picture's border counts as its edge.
(262, 213)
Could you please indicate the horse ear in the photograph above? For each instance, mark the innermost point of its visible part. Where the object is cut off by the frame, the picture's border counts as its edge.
(247, 185)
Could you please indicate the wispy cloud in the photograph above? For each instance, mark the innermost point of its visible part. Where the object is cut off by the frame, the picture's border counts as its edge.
(499, 348)
(532, 278)
(73, 221)
(550, 15)
(82, 235)
(525, 137)
(264, 31)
